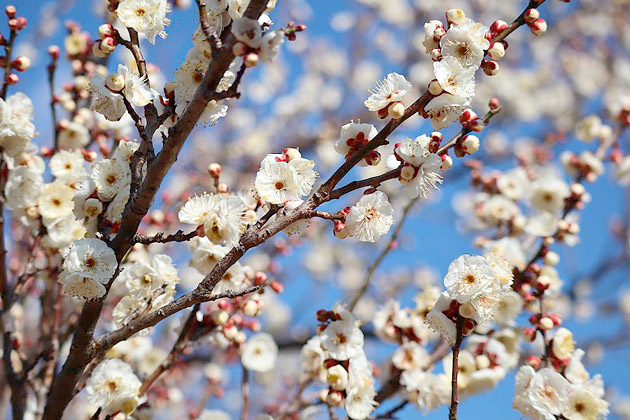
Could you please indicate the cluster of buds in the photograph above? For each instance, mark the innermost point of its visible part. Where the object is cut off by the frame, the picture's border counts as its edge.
(471, 121)
(537, 25)
(434, 31)
(21, 63)
(106, 43)
(339, 227)
(292, 29)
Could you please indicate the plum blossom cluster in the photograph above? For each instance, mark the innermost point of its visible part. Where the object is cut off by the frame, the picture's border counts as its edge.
(336, 357)
(475, 287)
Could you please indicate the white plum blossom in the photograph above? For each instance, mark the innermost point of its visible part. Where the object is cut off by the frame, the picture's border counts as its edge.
(468, 276)
(147, 17)
(391, 89)
(342, 339)
(220, 215)
(371, 217)
(542, 394)
(282, 179)
(107, 103)
(16, 126)
(445, 108)
(87, 268)
(466, 42)
(454, 78)
(113, 387)
(260, 353)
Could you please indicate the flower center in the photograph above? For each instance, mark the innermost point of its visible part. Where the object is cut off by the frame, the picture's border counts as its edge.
(112, 386)
(339, 339)
(90, 262)
(371, 214)
(111, 179)
(470, 279)
(463, 50)
(279, 185)
(579, 407)
(56, 202)
(140, 12)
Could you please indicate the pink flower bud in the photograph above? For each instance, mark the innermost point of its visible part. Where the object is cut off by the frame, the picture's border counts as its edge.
(538, 27)
(53, 51)
(12, 79)
(467, 116)
(108, 45)
(531, 15)
(214, 169)
(477, 125)
(438, 33)
(96, 50)
(447, 162)
(21, 63)
(533, 361)
(436, 54)
(498, 26)
(276, 286)
(529, 334)
(10, 10)
(223, 188)
(496, 51)
(494, 103)
(105, 30)
(489, 67)
(470, 144)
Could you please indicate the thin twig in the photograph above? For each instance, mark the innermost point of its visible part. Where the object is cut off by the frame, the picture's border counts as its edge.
(452, 411)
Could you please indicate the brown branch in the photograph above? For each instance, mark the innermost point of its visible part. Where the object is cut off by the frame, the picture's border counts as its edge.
(53, 110)
(373, 182)
(161, 238)
(212, 39)
(245, 393)
(452, 411)
(8, 50)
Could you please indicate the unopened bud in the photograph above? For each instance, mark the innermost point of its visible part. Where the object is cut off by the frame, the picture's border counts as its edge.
(230, 331)
(498, 26)
(108, 45)
(96, 50)
(250, 308)
(220, 317)
(533, 361)
(10, 11)
(496, 51)
(551, 258)
(436, 54)
(546, 323)
(455, 16)
(223, 188)
(447, 162)
(470, 144)
(538, 27)
(292, 153)
(105, 30)
(490, 67)
(435, 88)
(115, 82)
(408, 173)
(12, 79)
(251, 60)
(531, 15)
(467, 116)
(54, 51)
(396, 110)
(467, 310)
(22, 63)
(214, 169)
